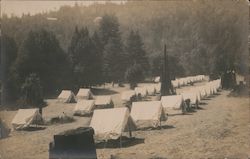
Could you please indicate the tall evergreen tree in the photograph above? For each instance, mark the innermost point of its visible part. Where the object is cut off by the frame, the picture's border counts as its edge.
(98, 51)
(8, 52)
(109, 28)
(86, 59)
(114, 65)
(42, 54)
(135, 51)
(114, 61)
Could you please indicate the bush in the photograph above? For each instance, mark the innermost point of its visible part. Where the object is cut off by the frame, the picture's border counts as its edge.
(32, 91)
(134, 74)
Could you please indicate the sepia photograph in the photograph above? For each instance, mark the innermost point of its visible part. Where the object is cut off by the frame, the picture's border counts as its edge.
(125, 79)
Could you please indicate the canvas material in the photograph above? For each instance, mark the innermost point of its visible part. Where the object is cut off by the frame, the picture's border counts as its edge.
(25, 117)
(84, 107)
(147, 114)
(174, 101)
(109, 123)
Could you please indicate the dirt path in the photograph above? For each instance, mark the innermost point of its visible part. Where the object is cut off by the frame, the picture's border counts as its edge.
(221, 129)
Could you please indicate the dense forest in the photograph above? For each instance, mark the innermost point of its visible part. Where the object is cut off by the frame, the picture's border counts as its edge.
(82, 46)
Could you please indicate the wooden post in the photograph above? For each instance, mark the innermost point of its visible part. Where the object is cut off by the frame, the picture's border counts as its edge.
(163, 75)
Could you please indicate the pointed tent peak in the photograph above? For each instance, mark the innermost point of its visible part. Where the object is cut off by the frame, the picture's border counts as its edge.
(84, 93)
(67, 96)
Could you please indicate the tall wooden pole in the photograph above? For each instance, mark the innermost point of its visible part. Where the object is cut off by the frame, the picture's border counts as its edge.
(165, 77)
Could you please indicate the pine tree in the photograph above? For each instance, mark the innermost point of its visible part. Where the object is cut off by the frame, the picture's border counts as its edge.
(135, 51)
(41, 54)
(8, 55)
(98, 51)
(114, 59)
(86, 58)
(109, 28)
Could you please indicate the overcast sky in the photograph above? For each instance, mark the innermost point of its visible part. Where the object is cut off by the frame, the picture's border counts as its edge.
(17, 8)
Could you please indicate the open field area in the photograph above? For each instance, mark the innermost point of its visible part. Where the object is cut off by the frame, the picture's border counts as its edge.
(220, 129)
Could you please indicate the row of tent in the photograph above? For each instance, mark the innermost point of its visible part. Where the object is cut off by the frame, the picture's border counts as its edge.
(86, 107)
(144, 91)
(197, 93)
(112, 122)
(67, 96)
(179, 82)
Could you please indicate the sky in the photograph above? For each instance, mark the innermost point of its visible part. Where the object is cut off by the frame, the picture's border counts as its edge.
(17, 8)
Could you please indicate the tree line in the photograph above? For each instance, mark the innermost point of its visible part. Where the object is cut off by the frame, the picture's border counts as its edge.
(91, 59)
(121, 41)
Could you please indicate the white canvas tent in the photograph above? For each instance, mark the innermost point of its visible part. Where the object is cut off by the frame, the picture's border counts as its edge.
(84, 93)
(84, 107)
(157, 79)
(174, 102)
(25, 118)
(192, 96)
(158, 88)
(103, 102)
(127, 95)
(66, 96)
(111, 123)
(148, 114)
(141, 91)
(151, 89)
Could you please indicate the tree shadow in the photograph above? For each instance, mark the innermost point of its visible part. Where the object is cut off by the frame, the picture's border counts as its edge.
(34, 128)
(202, 103)
(122, 142)
(200, 108)
(187, 113)
(103, 91)
(207, 98)
(156, 128)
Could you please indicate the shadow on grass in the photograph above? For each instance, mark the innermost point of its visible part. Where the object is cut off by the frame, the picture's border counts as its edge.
(202, 103)
(103, 91)
(187, 113)
(125, 142)
(200, 108)
(34, 128)
(157, 128)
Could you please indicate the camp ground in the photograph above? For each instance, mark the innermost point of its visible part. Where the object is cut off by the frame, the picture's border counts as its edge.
(141, 91)
(126, 96)
(148, 114)
(111, 123)
(25, 118)
(103, 102)
(84, 93)
(173, 102)
(84, 107)
(66, 96)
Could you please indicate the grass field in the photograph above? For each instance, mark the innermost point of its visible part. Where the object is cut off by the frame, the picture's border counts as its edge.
(220, 129)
